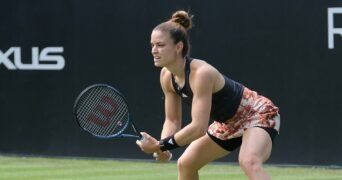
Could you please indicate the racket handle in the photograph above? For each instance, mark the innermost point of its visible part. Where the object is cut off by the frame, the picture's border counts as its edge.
(140, 137)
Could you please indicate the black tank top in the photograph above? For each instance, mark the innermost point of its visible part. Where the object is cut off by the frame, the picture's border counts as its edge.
(225, 102)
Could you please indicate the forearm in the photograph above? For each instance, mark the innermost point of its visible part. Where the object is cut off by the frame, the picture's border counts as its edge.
(189, 133)
(183, 137)
(170, 128)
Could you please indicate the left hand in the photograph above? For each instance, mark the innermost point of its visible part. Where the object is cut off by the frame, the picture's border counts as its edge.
(149, 144)
(162, 156)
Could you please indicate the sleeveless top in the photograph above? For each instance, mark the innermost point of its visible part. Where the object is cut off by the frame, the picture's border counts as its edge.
(225, 102)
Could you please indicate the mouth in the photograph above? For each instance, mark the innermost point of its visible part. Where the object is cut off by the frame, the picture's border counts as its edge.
(156, 58)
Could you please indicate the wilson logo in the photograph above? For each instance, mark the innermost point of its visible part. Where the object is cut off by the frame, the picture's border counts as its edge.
(48, 58)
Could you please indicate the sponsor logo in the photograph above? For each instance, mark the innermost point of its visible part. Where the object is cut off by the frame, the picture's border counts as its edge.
(171, 142)
(332, 30)
(48, 58)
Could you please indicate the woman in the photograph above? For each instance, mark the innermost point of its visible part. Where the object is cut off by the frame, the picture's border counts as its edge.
(240, 116)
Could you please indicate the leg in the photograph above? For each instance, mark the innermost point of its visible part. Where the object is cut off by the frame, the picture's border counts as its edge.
(255, 150)
(198, 154)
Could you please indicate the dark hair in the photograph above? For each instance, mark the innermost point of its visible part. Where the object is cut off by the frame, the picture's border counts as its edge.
(178, 26)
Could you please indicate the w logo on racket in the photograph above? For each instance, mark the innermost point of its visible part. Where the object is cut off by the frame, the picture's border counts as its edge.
(103, 112)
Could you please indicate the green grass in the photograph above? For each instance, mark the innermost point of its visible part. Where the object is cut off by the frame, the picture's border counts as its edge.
(39, 168)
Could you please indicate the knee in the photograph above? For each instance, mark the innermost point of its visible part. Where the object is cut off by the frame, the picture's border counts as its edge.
(250, 163)
(184, 164)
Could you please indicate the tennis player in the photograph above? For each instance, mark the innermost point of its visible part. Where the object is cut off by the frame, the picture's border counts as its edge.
(240, 117)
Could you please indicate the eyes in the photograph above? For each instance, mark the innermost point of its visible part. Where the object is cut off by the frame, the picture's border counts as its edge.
(158, 45)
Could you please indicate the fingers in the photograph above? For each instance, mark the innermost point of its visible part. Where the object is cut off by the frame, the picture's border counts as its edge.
(148, 144)
(140, 141)
(170, 157)
(155, 155)
(162, 156)
(145, 135)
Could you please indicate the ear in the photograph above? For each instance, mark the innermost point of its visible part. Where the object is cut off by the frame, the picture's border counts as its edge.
(179, 47)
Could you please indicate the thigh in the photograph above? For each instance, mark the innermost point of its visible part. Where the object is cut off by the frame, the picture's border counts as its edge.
(257, 143)
(202, 151)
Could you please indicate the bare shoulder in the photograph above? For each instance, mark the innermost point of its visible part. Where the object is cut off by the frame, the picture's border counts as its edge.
(203, 69)
(205, 75)
(164, 72)
(165, 79)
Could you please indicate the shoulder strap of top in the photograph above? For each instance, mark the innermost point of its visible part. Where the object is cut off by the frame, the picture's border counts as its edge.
(187, 72)
(187, 63)
(174, 84)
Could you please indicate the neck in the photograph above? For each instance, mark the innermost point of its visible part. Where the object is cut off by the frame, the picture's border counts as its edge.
(177, 68)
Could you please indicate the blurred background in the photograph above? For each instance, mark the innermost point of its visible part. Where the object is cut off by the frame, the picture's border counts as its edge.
(51, 50)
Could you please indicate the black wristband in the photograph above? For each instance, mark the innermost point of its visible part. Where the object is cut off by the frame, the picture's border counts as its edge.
(168, 143)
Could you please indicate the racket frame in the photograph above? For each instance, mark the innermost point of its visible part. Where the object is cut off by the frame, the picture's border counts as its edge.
(120, 133)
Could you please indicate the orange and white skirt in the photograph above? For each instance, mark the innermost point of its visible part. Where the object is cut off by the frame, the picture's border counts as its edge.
(254, 111)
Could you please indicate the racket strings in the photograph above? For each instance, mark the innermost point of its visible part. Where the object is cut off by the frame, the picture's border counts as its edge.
(95, 121)
(120, 117)
(87, 108)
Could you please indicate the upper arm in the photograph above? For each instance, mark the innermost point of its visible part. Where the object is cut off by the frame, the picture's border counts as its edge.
(172, 100)
(202, 87)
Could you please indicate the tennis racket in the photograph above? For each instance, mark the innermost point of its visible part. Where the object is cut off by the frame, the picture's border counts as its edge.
(102, 111)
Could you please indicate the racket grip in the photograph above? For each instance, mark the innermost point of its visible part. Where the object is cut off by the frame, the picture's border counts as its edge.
(140, 137)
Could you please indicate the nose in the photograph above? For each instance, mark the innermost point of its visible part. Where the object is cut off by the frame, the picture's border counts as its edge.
(154, 50)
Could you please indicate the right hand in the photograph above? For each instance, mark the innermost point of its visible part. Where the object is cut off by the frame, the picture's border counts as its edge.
(148, 144)
(162, 156)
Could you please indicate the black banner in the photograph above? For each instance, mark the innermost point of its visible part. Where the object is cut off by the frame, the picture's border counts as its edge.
(288, 51)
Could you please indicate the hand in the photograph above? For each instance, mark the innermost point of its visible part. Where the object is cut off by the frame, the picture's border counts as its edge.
(148, 144)
(162, 156)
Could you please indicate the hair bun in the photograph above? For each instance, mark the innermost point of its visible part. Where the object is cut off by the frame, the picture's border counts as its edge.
(182, 18)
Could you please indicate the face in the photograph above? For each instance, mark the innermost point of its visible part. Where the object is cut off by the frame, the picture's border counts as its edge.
(164, 50)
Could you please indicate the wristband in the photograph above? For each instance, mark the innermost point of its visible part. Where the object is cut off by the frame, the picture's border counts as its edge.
(168, 143)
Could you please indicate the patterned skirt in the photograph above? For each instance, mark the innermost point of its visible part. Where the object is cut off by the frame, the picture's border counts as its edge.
(254, 111)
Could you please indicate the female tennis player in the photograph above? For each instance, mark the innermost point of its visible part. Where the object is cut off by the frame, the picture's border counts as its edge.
(240, 117)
